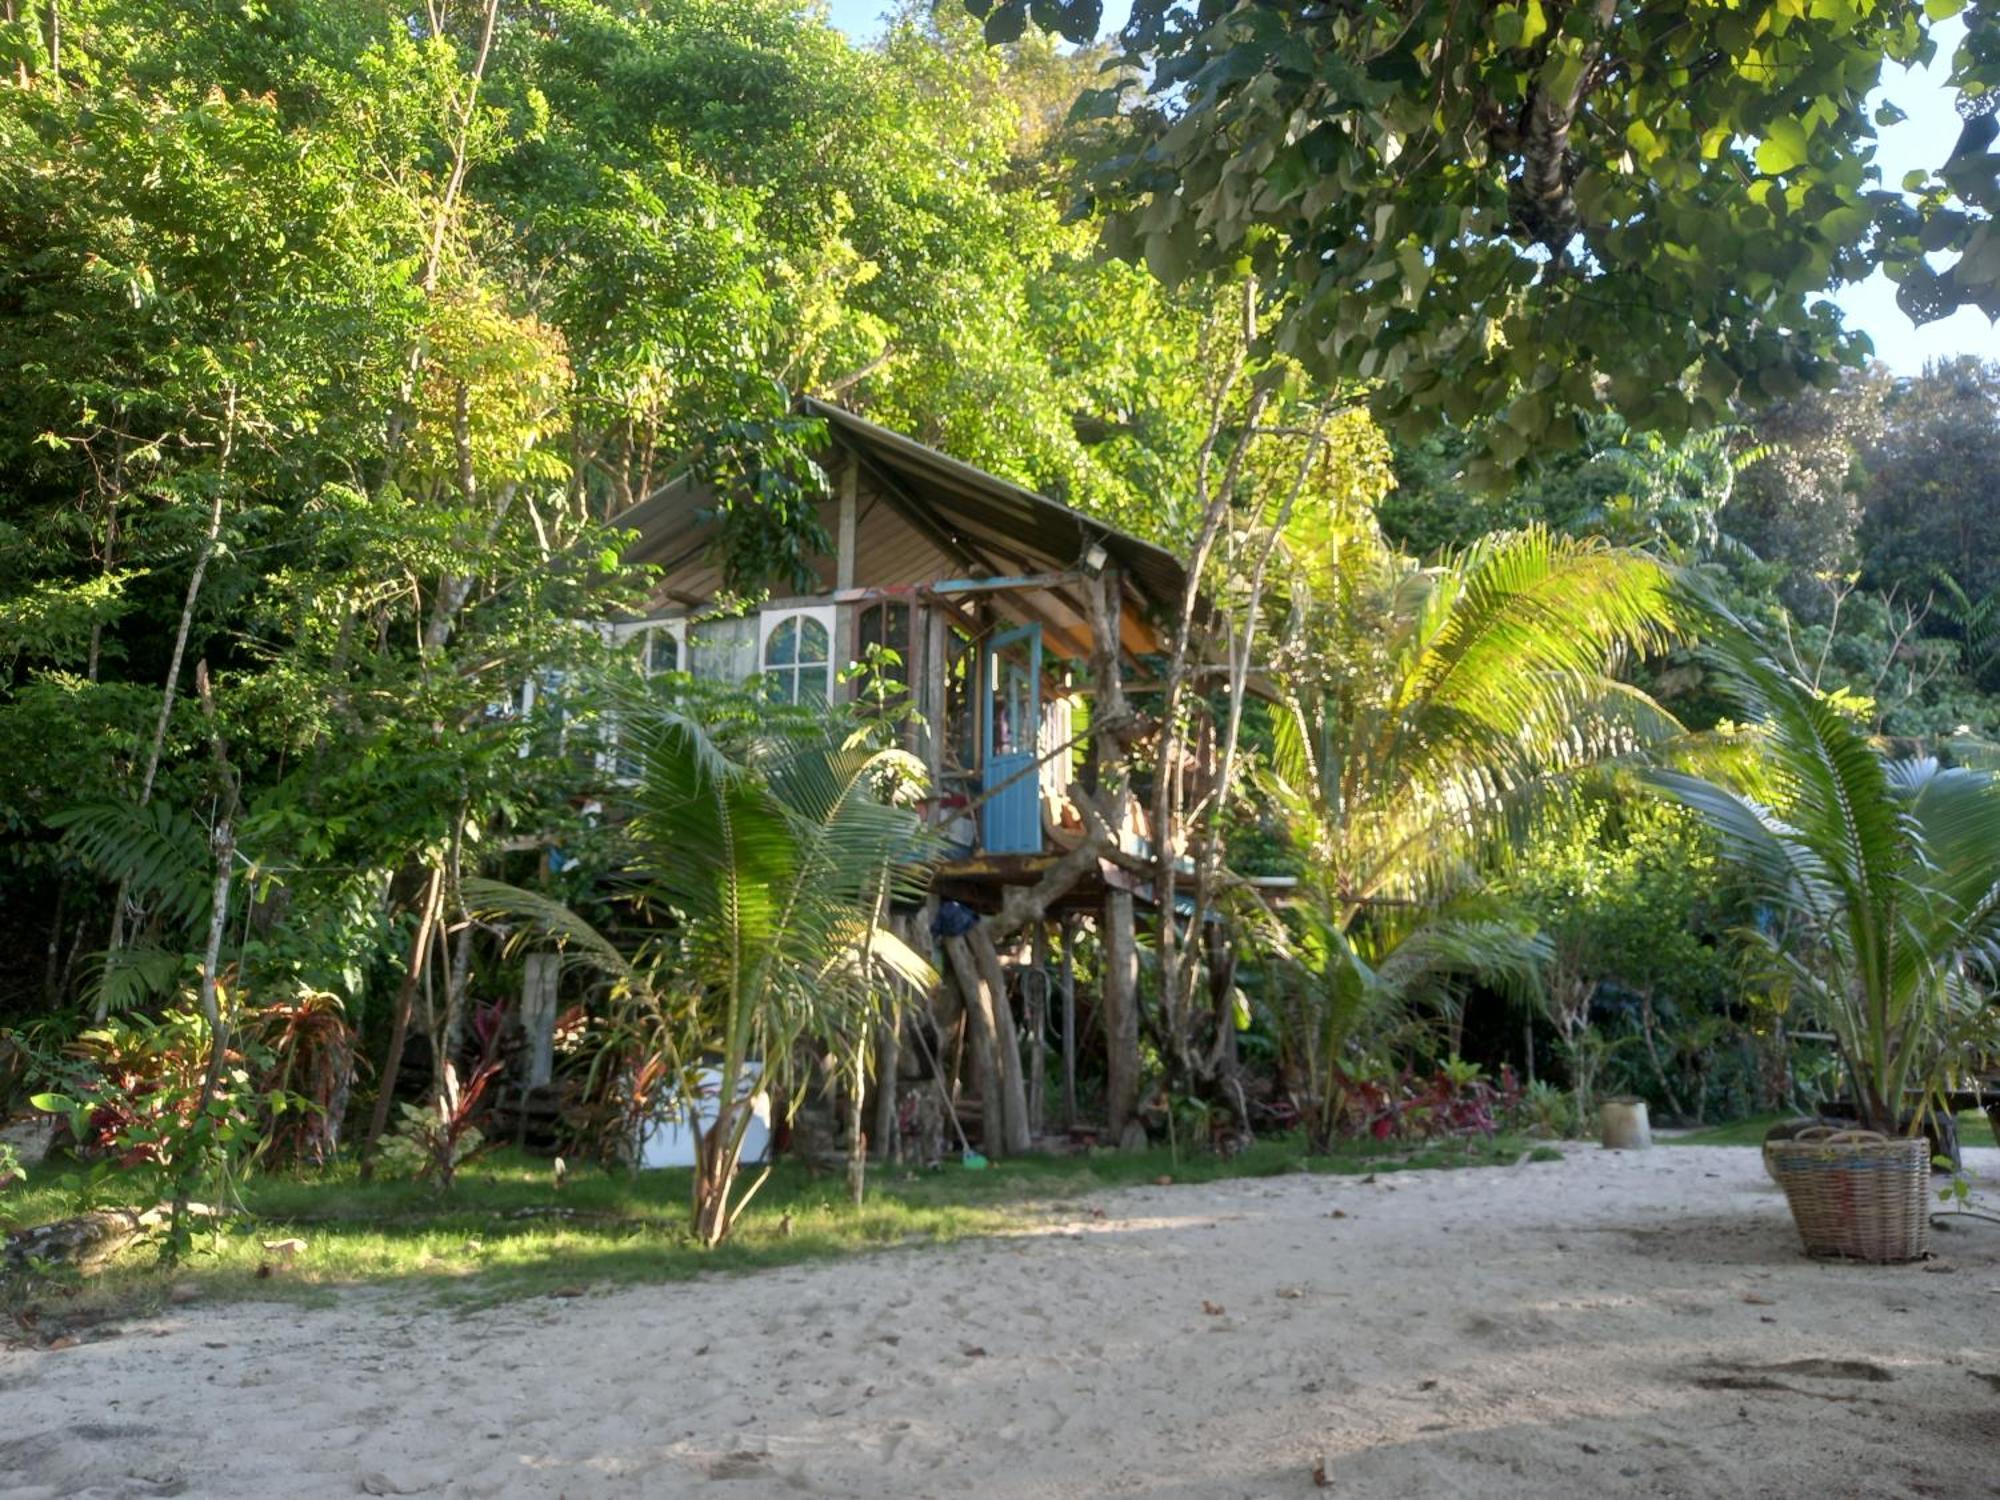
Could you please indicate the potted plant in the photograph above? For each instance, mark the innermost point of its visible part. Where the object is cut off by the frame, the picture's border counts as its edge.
(1880, 881)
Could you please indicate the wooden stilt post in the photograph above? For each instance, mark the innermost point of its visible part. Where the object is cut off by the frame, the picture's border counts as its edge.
(1121, 1011)
(979, 1041)
(977, 964)
(1069, 930)
(1036, 996)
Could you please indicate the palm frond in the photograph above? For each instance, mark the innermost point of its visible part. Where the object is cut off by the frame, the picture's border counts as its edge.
(546, 917)
(158, 852)
(136, 974)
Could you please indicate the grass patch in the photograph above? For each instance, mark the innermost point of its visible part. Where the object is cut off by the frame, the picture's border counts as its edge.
(1972, 1131)
(504, 1232)
(1745, 1132)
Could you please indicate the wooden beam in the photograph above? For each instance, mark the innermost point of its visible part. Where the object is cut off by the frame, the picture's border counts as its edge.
(843, 557)
(1018, 581)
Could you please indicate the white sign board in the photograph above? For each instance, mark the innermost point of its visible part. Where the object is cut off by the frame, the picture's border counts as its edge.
(666, 1141)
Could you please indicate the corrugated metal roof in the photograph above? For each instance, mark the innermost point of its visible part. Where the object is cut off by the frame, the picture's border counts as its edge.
(993, 524)
(1000, 518)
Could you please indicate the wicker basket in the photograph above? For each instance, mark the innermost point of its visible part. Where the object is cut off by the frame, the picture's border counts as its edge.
(1855, 1194)
(1796, 1128)
(1993, 1120)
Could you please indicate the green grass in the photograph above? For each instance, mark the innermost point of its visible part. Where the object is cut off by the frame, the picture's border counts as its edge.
(1972, 1131)
(505, 1232)
(1746, 1132)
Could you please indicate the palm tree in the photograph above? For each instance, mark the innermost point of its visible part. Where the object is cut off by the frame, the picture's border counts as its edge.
(1883, 876)
(1428, 711)
(766, 880)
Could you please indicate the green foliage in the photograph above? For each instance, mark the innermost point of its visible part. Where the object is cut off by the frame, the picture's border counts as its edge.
(1631, 899)
(144, 1123)
(764, 884)
(1880, 875)
(1427, 715)
(438, 1137)
(418, 322)
(1536, 212)
(768, 488)
(1932, 475)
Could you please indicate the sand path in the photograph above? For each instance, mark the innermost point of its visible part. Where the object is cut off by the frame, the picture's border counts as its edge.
(1609, 1325)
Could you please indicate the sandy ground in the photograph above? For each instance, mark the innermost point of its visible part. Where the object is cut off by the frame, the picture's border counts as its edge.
(1610, 1325)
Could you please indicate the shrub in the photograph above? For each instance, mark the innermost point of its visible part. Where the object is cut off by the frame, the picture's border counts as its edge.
(437, 1138)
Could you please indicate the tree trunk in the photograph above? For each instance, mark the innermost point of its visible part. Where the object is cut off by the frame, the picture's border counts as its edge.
(541, 975)
(399, 1026)
(224, 845)
(454, 1001)
(1121, 1011)
(1222, 997)
(210, 537)
(718, 1157)
(888, 1064)
(1016, 1134)
(1035, 999)
(1647, 1028)
(1069, 929)
(857, 1137)
(980, 1041)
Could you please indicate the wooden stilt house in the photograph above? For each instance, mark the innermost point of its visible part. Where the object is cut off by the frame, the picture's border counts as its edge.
(1018, 623)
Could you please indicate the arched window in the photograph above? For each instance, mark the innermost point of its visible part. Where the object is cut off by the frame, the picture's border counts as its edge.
(798, 665)
(663, 650)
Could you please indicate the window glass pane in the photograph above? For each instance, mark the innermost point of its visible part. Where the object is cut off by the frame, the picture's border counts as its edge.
(812, 639)
(723, 650)
(783, 647)
(811, 684)
(663, 652)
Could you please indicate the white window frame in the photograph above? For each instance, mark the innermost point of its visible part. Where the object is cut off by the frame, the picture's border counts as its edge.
(676, 626)
(616, 634)
(768, 621)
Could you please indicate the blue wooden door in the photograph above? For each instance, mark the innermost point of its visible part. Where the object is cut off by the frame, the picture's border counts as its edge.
(1010, 820)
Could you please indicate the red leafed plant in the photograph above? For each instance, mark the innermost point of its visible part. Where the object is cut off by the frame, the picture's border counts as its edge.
(312, 1062)
(1455, 1099)
(438, 1137)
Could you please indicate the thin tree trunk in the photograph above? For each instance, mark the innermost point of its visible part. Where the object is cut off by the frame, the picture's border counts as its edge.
(1121, 1011)
(223, 843)
(1069, 931)
(888, 1063)
(1222, 996)
(1216, 500)
(210, 537)
(1035, 999)
(53, 966)
(110, 551)
(399, 1026)
(1646, 1028)
(454, 1000)
(398, 427)
(857, 1137)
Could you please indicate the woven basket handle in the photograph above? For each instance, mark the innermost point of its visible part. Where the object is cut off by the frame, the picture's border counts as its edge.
(1810, 1133)
(1852, 1137)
